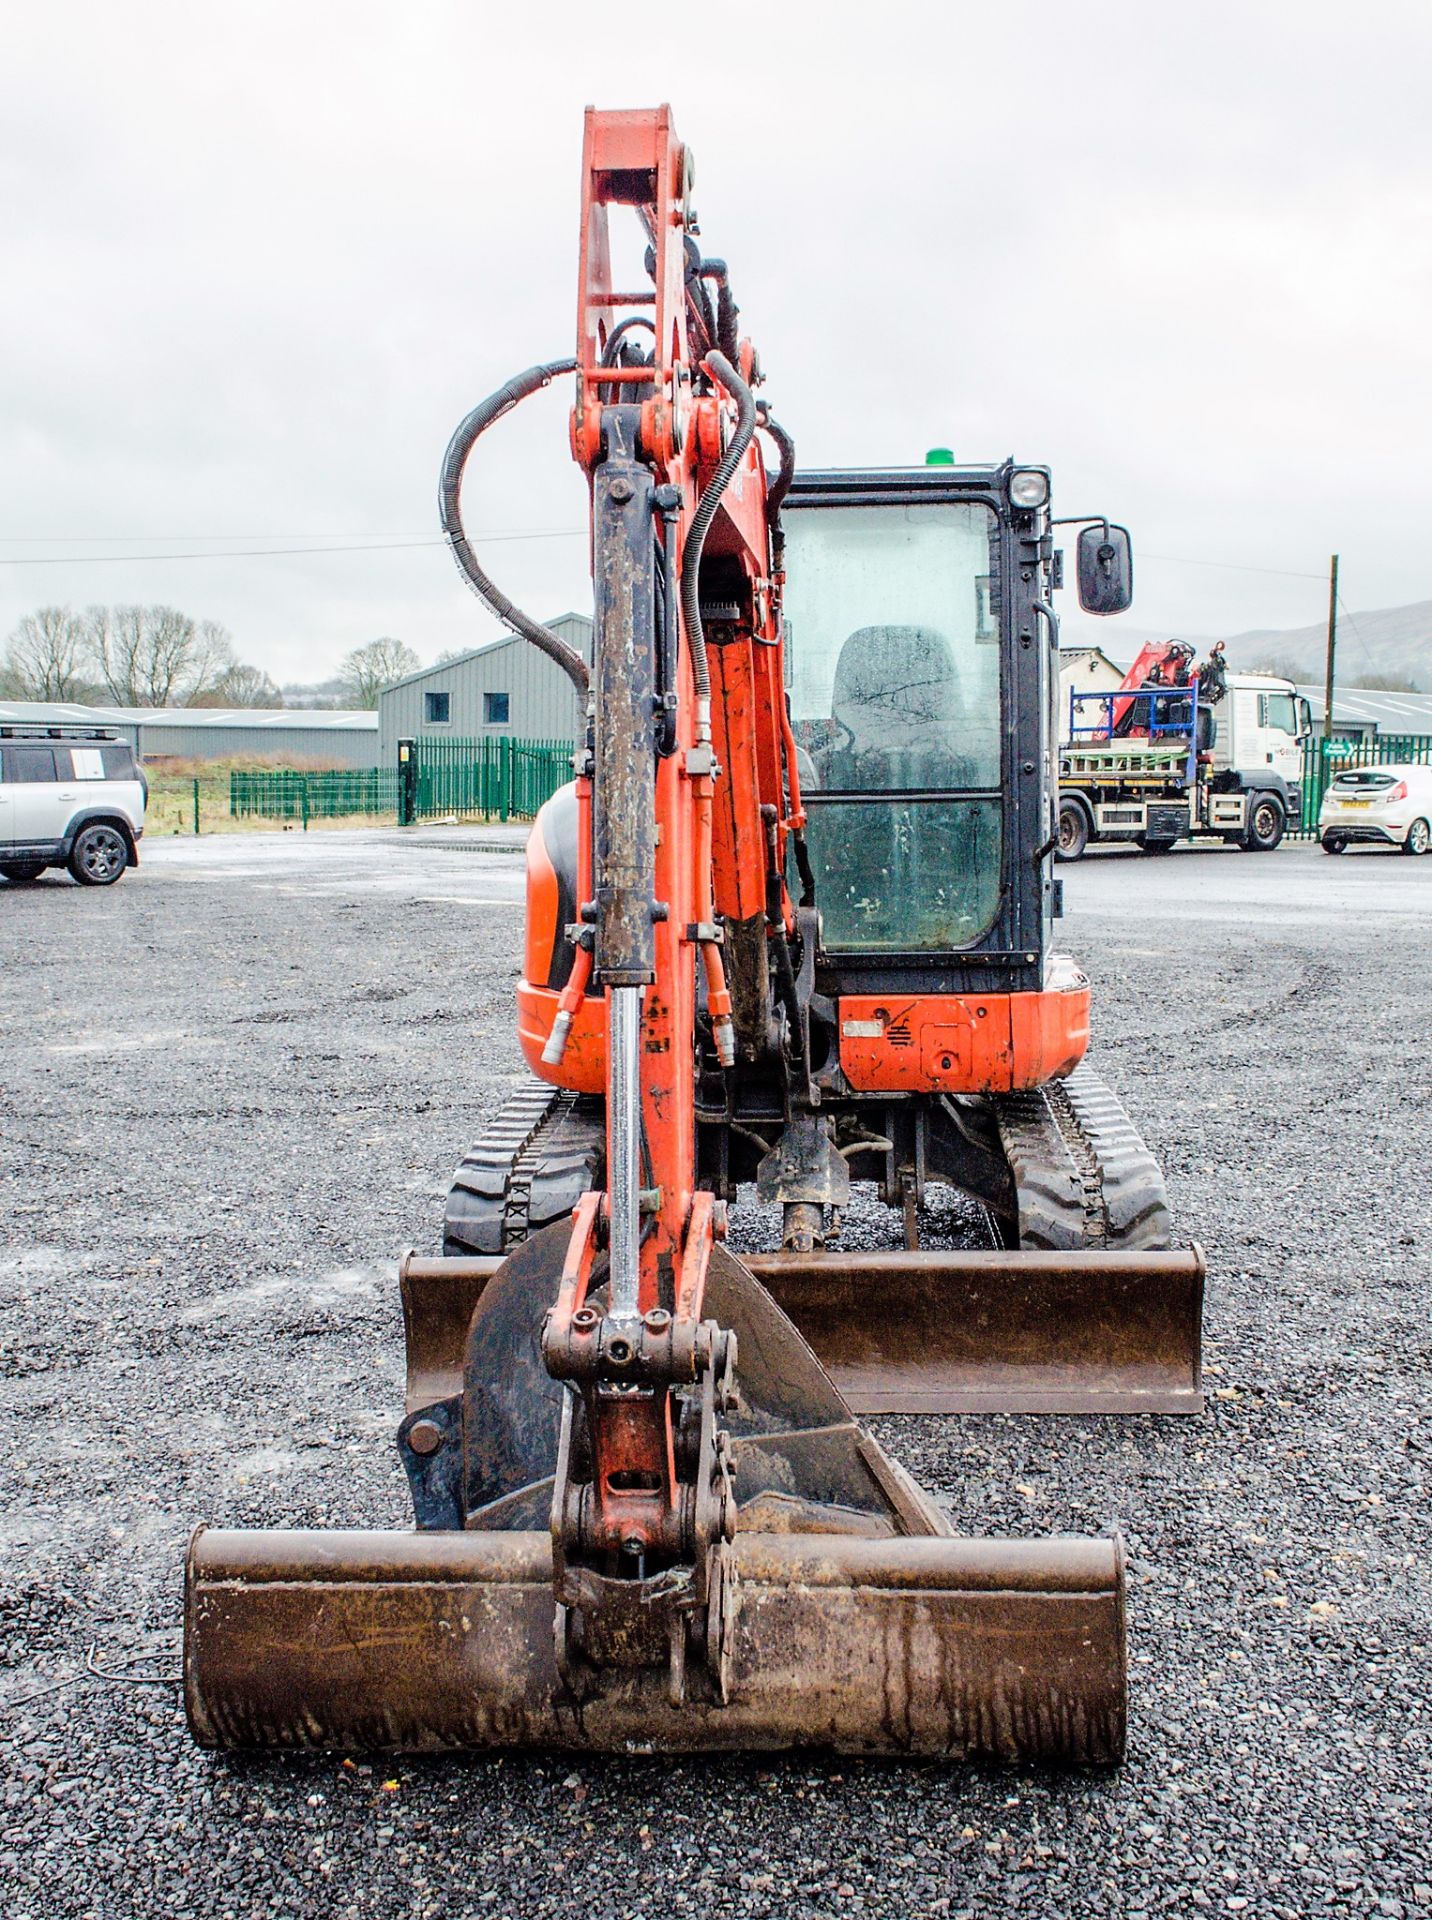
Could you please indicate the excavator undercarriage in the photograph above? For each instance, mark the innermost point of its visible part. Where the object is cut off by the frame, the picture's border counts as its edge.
(788, 930)
(1069, 1300)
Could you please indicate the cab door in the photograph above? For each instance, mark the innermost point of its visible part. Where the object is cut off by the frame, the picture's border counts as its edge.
(893, 648)
(1280, 722)
(42, 806)
(7, 802)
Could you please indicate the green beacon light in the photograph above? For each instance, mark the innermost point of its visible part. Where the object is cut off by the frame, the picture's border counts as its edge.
(940, 457)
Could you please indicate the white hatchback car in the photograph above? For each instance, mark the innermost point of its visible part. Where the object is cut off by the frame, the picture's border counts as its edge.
(69, 797)
(1387, 806)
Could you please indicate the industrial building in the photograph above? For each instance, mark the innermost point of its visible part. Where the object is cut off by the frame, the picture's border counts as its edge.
(1359, 713)
(292, 738)
(1085, 669)
(504, 687)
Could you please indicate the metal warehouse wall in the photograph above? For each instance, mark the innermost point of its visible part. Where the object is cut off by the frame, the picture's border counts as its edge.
(543, 703)
(336, 746)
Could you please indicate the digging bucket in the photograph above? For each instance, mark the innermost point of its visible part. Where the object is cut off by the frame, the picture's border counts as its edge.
(999, 1649)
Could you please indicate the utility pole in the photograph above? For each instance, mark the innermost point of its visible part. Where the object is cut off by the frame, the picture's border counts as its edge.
(1332, 649)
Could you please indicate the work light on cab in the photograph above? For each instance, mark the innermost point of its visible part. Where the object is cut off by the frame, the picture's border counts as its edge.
(1028, 487)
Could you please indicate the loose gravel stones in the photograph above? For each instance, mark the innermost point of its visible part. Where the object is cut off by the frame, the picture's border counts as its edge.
(235, 1086)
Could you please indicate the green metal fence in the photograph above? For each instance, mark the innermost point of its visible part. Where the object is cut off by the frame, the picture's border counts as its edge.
(1323, 758)
(494, 776)
(339, 793)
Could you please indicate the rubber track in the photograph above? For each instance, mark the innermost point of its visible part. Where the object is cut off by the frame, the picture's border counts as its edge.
(1083, 1176)
(530, 1167)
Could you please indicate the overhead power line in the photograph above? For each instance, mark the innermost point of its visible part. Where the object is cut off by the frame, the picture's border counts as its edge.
(1227, 566)
(271, 553)
(107, 539)
(399, 542)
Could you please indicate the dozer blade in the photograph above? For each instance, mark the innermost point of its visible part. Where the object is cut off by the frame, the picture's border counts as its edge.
(862, 1625)
(1018, 1332)
(929, 1332)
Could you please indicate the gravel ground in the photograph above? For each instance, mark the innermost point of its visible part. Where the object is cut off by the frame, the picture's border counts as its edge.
(234, 1087)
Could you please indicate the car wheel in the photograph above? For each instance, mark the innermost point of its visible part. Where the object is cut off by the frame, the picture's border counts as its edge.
(18, 872)
(99, 856)
(1265, 824)
(1073, 832)
(1419, 838)
(1333, 844)
(1156, 846)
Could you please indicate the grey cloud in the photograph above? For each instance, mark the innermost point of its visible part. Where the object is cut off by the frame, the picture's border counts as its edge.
(258, 262)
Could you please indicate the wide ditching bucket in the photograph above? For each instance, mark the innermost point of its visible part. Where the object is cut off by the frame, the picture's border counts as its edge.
(419, 1642)
(861, 1624)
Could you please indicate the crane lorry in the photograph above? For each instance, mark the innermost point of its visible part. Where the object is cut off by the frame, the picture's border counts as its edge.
(1182, 751)
(788, 928)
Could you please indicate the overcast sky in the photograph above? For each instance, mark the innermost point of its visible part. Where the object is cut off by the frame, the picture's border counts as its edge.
(259, 259)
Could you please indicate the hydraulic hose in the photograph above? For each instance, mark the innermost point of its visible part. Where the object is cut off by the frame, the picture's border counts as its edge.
(775, 495)
(721, 370)
(450, 510)
(619, 333)
(780, 486)
(727, 312)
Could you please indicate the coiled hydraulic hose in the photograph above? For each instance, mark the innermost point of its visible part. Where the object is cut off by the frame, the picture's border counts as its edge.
(450, 510)
(721, 370)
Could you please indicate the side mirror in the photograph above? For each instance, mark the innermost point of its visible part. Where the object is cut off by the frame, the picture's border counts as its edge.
(1106, 568)
(1305, 717)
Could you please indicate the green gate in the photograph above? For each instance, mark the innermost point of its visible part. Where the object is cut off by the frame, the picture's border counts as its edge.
(492, 777)
(1323, 758)
(337, 793)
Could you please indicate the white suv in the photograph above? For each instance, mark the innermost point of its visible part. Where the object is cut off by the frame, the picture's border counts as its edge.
(69, 797)
(1388, 806)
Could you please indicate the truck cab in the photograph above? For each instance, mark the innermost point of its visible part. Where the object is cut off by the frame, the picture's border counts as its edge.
(1260, 726)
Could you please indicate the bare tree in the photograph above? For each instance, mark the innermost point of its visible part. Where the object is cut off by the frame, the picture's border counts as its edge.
(239, 685)
(45, 658)
(156, 656)
(211, 660)
(1281, 666)
(1388, 683)
(368, 669)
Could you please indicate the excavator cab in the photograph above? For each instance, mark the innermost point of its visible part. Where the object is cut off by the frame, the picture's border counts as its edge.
(901, 667)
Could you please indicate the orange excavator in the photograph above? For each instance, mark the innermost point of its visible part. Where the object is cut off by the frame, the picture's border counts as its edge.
(789, 928)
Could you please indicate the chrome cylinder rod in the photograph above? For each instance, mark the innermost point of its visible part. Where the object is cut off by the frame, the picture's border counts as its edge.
(624, 1147)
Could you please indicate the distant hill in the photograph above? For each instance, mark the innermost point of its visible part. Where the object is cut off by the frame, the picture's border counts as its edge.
(1393, 641)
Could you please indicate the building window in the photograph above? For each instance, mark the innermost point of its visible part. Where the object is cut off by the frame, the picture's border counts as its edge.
(437, 709)
(496, 709)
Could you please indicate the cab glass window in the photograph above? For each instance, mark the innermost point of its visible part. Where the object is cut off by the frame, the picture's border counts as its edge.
(913, 877)
(893, 642)
(1279, 711)
(892, 617)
